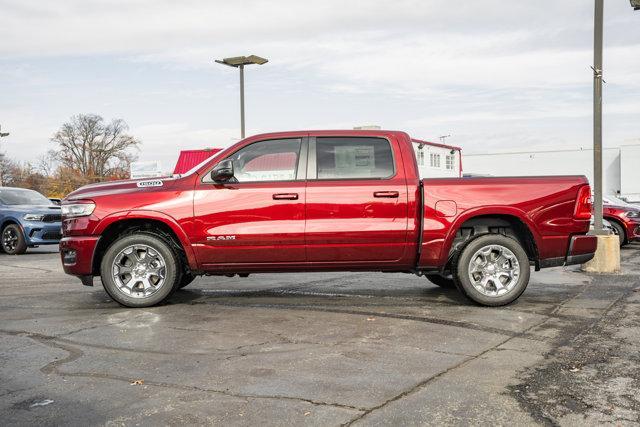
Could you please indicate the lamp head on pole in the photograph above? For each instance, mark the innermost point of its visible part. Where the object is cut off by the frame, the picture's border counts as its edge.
(237, 61)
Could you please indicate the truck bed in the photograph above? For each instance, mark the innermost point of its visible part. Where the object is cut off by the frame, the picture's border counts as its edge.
(545, 204)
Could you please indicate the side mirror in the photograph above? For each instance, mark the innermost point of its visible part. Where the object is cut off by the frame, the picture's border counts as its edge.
(223, 171)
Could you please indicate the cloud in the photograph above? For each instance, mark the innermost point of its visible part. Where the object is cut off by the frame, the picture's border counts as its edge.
(497, 71)
(167, 139)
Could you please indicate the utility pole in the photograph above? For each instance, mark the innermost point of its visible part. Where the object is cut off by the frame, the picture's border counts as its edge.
(597, 117)
(443, 137)
(2, 134)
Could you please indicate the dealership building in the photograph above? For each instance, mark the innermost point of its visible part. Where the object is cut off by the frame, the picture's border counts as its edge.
(620, 165)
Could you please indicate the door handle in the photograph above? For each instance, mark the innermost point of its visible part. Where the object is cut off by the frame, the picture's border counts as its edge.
(386, 194)
(285, 196)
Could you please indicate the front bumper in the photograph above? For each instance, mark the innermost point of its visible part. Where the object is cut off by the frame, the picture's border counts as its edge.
(42, 233)
(633, 230)
(77, 253)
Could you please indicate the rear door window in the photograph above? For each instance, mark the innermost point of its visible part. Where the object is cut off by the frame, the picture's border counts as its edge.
(353, 158)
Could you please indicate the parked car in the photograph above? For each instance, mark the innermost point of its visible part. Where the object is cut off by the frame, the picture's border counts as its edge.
(632, 200)
(624, 218)
(27, 219)
(323, 201)
(605, 224)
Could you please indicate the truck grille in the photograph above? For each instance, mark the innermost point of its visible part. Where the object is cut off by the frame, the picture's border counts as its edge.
(52, 218)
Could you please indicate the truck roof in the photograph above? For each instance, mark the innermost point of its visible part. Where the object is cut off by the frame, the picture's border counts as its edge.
(330, 132)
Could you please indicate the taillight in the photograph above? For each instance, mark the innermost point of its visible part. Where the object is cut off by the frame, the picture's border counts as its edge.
(584, 204)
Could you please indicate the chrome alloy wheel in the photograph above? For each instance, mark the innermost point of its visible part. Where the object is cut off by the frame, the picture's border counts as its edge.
(9, 240)
(138, 271)
(494, 270)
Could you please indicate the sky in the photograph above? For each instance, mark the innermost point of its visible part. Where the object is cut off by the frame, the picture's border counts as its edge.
(496, 75)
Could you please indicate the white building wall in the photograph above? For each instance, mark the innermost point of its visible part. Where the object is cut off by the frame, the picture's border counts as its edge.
(437, 166)
(630, 171)
(553, 162)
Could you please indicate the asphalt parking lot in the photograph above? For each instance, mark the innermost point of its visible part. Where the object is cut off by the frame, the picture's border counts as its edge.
(318, 349)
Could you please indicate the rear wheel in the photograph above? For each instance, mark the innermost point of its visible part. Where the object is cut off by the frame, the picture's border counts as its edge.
(13, 241)
(442, 281)
(620, 232)
(492, 270)
(140, 270)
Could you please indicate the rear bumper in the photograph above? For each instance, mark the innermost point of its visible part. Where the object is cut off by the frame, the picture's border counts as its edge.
(76, 254)
(582, 248)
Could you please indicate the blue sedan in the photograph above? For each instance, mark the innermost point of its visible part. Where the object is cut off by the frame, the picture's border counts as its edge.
(27, 219)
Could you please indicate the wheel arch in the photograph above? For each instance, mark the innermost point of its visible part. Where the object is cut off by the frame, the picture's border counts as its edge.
(10, 220)
(510, 223)
(112, 227)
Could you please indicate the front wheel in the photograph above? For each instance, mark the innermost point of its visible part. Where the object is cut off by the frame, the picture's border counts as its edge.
(492, 270)
(13, 241)
(620, 232)
(140, 270)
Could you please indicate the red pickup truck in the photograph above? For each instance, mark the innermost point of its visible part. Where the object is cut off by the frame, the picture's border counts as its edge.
(322, 201)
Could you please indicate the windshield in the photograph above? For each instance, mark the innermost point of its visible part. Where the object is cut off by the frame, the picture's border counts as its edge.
(19, 196)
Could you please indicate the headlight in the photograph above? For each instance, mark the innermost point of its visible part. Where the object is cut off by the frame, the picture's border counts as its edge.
(77, 209)
(33, 217)
(632, 214)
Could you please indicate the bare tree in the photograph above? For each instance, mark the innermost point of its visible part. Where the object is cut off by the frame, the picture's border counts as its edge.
(6, 170)
(93, 148)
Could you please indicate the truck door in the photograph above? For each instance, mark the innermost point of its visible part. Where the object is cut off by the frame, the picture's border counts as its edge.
(356, 201)
(258, 217)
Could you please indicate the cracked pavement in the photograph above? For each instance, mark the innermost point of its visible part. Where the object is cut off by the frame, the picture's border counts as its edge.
(319, 349)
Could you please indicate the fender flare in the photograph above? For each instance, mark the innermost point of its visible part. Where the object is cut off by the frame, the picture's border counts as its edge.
(12, 220)
(487, 211)
(153, 215)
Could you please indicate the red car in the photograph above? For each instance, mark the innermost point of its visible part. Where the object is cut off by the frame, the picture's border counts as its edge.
(624, 218)
(322, 201)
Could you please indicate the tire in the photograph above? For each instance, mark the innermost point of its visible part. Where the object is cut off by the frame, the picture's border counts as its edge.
(12, 240)
(154, 279)
(506, 262)
(620, 231)
(443, 282)
(185, 280)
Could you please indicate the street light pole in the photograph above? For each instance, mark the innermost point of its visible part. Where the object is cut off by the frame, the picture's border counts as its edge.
(240, 62)
(241, 101)
(597, 117)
